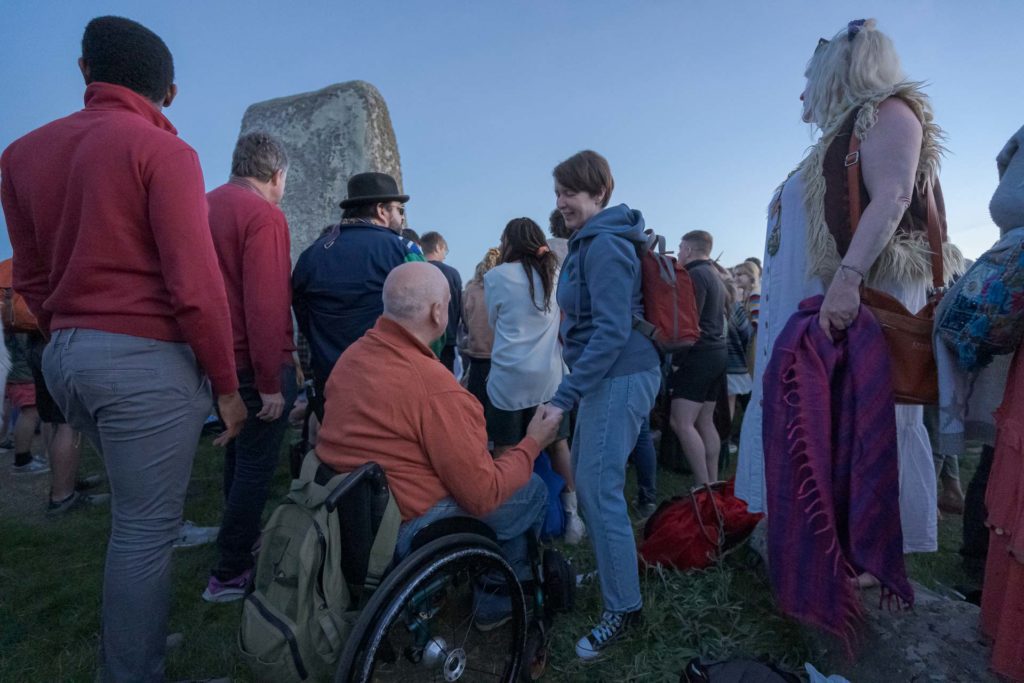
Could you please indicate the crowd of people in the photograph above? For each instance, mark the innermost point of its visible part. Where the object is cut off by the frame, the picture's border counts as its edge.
(156, 300)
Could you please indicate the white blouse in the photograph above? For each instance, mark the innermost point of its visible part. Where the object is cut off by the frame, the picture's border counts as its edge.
(526, 359)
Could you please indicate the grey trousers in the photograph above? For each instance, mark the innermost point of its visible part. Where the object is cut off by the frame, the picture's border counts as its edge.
(142, 402)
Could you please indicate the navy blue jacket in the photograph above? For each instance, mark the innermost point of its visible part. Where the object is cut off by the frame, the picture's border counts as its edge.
(337, 285)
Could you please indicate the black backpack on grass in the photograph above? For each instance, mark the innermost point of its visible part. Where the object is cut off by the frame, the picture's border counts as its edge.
(314, 574)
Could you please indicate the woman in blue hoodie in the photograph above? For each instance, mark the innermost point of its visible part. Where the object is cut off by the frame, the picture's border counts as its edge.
(613, 376)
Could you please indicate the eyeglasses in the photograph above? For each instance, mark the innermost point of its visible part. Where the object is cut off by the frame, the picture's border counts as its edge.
(397, 207)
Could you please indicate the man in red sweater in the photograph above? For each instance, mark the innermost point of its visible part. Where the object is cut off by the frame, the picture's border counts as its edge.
(390, 401)
(112, 252)
(251, 237)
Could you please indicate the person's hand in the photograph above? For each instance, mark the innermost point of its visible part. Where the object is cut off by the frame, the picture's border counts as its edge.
(273, 406)
(842, 302)
(543, 428)
(232, 413)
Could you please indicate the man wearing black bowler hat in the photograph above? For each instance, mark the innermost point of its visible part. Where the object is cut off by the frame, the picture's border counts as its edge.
(338, 280)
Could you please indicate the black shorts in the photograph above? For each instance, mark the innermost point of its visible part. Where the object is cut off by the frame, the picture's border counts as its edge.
(508, 427)
(48, 409)
(700, 376)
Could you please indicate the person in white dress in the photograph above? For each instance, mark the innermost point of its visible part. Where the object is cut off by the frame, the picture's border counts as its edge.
(854, 86)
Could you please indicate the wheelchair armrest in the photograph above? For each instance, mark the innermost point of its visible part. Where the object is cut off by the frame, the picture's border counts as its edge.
(371, 473)
(451, 525)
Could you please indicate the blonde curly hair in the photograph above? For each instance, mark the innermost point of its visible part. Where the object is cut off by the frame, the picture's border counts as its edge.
(490, 260)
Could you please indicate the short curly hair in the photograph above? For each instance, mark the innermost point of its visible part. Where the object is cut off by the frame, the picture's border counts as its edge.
(126, 53)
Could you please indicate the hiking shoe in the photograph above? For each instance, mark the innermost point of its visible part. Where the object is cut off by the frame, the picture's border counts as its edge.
(227, 591)
(74, 501)
(34, 466)
(612, 627)
(644, 510)
(90, 482)
(191, 535)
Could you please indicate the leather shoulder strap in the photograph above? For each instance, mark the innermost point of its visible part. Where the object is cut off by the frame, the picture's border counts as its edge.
(934, 222)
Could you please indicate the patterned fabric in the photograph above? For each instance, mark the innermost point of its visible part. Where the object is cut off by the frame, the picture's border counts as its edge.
(983, 314)
(831, 470)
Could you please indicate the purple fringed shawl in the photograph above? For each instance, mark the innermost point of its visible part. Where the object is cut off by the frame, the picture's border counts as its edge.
(831, 471)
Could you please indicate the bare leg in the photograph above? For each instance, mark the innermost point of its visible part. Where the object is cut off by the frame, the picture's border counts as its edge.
(25, 429)
(709, 437)
(684, 420)
(561, 462)
(65, 452)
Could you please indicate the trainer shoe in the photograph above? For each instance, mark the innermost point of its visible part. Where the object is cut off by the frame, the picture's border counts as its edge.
(34, 466)
(190, 535)
(74, 501)
(612, 627)
(89, 482)
(227, 591)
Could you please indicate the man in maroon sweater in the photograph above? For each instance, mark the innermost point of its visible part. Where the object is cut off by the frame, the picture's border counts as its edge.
(112, 251)
(251, 237)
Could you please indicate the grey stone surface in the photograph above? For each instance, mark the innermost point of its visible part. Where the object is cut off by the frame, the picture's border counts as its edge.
(330, 134)
(937, 640)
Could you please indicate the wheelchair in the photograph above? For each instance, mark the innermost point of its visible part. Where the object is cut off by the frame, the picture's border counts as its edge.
(423, 622)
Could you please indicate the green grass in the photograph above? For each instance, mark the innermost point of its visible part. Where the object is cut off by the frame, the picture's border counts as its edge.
(51, 572)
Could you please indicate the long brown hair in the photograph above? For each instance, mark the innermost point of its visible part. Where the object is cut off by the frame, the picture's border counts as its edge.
(523, 241)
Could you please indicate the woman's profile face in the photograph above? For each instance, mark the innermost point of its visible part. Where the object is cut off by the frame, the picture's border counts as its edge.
(576, 207)
(744, 280)
(807, 115)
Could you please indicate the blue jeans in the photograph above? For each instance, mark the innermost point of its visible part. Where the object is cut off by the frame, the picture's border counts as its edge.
(607, 427)
(142, 403)
(250, 461)
(646, 461)
(521, 514)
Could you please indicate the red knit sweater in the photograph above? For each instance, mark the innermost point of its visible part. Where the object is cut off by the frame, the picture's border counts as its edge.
(253, 247)
(106, 212)
(390, 401)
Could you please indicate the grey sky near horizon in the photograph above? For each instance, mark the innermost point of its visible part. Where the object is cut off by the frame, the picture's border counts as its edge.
(694, 103)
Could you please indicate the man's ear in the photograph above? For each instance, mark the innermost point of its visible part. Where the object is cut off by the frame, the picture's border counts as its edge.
(172, 92)
(84, 68)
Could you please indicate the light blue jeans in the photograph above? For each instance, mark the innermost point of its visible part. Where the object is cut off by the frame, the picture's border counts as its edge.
(522, 514)
(142, 403)
(607, 426)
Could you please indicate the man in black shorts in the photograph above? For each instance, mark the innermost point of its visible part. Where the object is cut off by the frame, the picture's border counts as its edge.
(63, 444)
(699, 376)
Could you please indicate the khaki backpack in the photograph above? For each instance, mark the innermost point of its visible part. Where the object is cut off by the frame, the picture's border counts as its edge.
(302, 606)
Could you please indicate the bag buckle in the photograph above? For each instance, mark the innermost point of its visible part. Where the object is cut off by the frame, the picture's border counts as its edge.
(852, 158)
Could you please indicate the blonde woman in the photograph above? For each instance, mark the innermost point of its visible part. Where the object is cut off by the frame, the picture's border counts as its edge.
(854, 86)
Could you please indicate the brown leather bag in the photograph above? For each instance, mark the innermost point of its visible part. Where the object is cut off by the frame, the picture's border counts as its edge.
(915, 379)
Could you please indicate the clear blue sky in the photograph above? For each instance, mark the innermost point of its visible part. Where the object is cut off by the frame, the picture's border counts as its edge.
(694, 103)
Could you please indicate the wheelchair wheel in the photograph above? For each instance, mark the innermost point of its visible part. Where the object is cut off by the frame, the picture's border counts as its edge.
(424, 622)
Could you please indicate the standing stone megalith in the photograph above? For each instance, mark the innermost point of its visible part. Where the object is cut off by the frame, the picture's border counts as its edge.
(330, 135)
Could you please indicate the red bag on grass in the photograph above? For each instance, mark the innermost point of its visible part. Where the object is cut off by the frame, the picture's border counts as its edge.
(691, 531)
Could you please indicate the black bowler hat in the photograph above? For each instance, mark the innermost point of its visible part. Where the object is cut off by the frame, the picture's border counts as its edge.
(372, 188)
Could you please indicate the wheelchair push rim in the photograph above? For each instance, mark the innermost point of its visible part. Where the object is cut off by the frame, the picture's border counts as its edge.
(422, 623)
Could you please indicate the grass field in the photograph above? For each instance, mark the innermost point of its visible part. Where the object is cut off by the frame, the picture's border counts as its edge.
(50, 575)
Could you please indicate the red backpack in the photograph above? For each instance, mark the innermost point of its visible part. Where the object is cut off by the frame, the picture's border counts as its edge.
(671, 319)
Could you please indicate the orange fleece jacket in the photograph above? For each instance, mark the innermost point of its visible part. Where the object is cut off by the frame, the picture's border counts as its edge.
(390, 401)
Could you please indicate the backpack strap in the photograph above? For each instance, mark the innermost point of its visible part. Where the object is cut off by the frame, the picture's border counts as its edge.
(382, 551)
